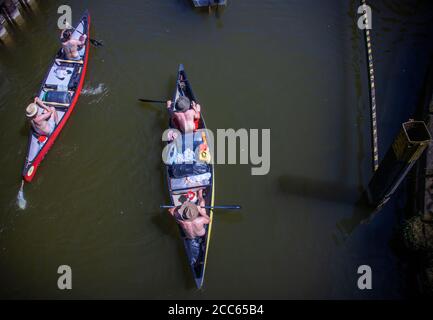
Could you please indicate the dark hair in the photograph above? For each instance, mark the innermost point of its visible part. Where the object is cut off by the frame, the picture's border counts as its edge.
(182, 104)
(66, 35)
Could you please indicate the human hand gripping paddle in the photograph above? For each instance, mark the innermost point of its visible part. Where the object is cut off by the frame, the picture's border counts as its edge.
(96, 43)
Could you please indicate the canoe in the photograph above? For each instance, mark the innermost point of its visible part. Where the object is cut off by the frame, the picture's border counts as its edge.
(207, 3)
(63, 77)
(178, 188)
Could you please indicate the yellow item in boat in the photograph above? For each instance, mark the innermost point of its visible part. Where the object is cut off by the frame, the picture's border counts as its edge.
(204, 154)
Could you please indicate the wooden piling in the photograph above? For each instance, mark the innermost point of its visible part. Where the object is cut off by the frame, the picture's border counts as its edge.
(413, 138)
(3, 31)
(10, 13)
(24, 4)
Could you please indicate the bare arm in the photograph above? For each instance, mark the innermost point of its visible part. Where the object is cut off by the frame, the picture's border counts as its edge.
(169, 108)
(43, 117)
(171, 211)
(40, 103)
(197, 109)
(83, 38)
(201, 204)
(76, 42)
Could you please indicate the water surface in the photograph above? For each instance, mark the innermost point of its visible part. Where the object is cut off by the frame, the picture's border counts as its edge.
(297, 67)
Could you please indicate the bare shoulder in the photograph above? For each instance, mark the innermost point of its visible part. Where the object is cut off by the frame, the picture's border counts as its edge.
(202, 220)
(190, 114)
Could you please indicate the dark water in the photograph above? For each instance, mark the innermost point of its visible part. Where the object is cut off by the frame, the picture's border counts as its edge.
(297, 67)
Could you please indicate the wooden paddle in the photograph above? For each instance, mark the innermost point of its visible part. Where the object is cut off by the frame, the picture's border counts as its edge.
(230, 207)
(70, 61)
(57, 104)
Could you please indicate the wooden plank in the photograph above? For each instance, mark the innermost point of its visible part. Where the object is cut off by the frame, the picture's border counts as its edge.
(57, 104)
(50, 89)
(70, 61)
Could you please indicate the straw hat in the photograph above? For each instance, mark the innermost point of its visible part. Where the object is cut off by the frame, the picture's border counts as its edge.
(31, 110)
(188, 211)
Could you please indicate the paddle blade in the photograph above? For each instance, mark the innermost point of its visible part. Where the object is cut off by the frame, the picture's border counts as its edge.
(21, 201)
(96, 43)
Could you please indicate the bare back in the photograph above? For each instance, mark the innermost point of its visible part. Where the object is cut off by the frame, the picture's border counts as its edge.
(71, 48)
(185, 120)
(195, 228)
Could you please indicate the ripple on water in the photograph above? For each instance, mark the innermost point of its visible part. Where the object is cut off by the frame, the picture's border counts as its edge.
(99, 92)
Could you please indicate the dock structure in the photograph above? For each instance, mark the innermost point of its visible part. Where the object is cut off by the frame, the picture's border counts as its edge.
(209, 3)
(414, 137)
(10, 13)
(417, 228)
(427, 203)
(3, 31)
(409, 145)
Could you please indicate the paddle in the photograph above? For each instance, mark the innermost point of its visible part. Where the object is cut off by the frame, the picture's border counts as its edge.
(152, 101)
(96, 43)
(230, 207)
(21, 201)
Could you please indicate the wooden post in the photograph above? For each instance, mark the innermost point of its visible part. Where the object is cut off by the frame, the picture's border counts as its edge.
(24, 4)
(10, 7)
(9, 11)
(3, 31)
(409, 145)
(5, 14)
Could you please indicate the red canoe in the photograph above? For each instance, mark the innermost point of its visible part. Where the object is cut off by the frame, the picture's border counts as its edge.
(64, 79)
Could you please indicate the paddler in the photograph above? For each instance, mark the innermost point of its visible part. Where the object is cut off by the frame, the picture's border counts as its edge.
(71, 46)
(185, 114)
(193, 219)
(45, 122)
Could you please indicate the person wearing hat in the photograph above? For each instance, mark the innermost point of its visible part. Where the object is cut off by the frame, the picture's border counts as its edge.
(71, 46)
(185, 114)
(192, 218)
(43, 123)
